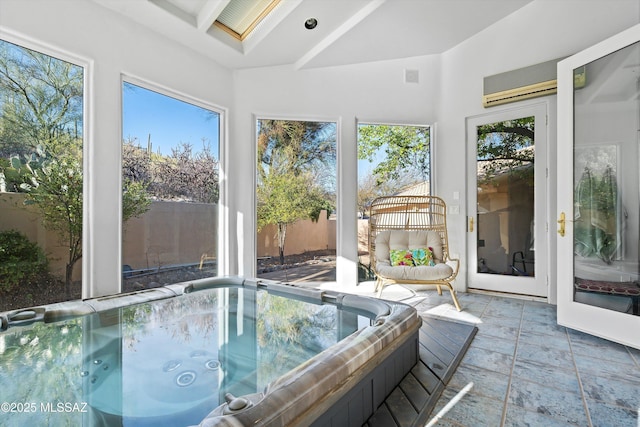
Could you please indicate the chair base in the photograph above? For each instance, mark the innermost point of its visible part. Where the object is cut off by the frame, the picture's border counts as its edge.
(381, 283)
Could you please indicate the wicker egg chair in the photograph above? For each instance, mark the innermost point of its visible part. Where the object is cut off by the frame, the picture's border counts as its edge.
(410, 225)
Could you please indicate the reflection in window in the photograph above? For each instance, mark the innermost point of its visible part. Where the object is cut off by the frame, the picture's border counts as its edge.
(170, 189)
(606, 182)
(41, 131)
(505, 180)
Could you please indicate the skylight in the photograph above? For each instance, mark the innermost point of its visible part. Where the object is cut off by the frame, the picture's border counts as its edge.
(240, 17)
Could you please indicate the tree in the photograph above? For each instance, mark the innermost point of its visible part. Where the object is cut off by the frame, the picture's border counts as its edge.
(407, 153)
(183, 175)
(308, 145)
(369, 189)
(286, 198)
(293, 184)
(186, 174)
(54, 186)
(40, 101)
(136, 163)
(506, 147)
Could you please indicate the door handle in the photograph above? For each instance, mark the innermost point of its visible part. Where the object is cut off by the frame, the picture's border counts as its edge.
(470, 224)
(562, 222)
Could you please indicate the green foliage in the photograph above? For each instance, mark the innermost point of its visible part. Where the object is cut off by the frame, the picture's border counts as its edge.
(282, 344)
(286, 198)
(135, 199)
(293, 184)
(18, 169)
(506, 147)
(55, 186)
(20, 260)
(295, 145)
(41, 100)
(406, 151)
(596, 215)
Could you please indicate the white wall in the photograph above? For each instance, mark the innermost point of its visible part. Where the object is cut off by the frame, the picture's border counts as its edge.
(539, 32)
(450, 90)
(366, 92)
(109, 45)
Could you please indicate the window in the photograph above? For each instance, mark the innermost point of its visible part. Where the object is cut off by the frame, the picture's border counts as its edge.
(170, 165)
(239, 18)
(392, 159)
(505, 198)
(41, 143)
(296, 196)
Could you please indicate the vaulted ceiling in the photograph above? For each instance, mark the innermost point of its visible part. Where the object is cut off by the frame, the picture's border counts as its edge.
(348, 31)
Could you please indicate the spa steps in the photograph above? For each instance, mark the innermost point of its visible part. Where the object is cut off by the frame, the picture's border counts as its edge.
(442, 345)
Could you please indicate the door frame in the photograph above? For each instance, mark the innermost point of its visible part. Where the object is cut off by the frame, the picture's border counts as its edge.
(612, 325)
(520, 285)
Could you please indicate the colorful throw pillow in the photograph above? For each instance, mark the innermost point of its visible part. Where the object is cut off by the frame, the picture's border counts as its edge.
(401, 257)
(423, 256)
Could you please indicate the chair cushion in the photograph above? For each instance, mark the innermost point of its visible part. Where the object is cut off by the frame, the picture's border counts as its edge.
(407, 240)
(410, 240)
(421, 272)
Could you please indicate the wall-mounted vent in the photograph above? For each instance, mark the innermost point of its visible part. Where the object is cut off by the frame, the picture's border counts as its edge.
(524, 83)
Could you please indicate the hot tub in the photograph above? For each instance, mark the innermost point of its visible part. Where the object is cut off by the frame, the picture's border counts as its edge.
(212, 352)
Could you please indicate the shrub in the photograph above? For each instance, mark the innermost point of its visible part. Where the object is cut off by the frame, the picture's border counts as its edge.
(20, 260)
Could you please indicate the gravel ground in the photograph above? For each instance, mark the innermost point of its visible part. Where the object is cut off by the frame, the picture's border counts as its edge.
(48, 289)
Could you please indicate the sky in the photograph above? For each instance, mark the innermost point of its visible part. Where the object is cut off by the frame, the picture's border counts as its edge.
(168, 120)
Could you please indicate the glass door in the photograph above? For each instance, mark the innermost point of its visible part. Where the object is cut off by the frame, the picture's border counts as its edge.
(598, 236)
(506, 198)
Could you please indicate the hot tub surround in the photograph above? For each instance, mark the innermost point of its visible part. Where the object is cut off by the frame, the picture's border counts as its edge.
(345, 382)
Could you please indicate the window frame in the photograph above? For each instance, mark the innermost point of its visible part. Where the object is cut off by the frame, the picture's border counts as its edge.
(223, 184)
(87, 129)
(256, 117)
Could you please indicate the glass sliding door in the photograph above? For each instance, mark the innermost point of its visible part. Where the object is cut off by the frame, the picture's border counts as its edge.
(599, 196)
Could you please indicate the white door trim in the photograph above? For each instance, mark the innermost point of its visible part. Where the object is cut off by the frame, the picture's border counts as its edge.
(537, 286)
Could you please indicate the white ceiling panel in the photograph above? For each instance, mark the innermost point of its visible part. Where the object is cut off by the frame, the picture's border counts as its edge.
(348, 31)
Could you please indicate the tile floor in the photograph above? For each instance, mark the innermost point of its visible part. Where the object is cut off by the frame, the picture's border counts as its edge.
(528, 371)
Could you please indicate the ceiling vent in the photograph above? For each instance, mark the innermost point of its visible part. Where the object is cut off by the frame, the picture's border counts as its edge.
(524, 83)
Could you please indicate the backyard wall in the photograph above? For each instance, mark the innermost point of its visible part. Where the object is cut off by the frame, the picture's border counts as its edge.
(14, 215)
(170, 233)
(302, 236)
